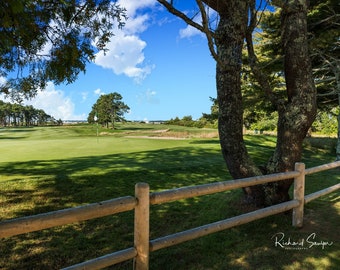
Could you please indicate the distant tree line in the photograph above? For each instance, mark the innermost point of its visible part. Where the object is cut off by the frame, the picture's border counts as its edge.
(188, 121)
(13, 114)
(325, 121)
(207, 120)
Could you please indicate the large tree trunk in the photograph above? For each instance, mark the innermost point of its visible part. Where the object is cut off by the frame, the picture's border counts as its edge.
(229, 42)
(296, 113)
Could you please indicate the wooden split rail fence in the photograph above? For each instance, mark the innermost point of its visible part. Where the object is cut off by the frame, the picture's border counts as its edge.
(141, 204)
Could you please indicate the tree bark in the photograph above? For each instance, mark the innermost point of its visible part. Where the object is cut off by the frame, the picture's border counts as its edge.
(229, 41)
(298, 113)
(338, 141)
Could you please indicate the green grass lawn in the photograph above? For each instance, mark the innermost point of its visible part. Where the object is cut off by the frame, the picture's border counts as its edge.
(51, 168)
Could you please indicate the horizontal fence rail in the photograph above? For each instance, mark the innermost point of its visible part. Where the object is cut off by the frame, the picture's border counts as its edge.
(66, 216)
(323, 167)
(142, 200)
(177, 238)
(106, 260)
(206, 189)
(318, 194)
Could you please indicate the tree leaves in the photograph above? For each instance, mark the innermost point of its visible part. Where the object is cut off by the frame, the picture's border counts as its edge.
(108, 109)
(52, 40)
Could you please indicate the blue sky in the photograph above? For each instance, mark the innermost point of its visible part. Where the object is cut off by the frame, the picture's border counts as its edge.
(160, 66)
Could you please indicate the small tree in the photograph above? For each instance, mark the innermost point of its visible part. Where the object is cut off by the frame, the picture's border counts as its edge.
(108, 109)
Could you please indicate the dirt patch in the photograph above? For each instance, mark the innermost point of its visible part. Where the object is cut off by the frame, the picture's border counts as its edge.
(161, 130)
(106, 134)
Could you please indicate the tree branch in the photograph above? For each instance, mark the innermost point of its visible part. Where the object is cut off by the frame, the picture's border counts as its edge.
(170, 7)
(217, 5)
(204, 28)
(208, 33)
(260, 76)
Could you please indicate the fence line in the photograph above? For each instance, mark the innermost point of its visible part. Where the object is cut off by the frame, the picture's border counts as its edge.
(141, 204)
(66, 216)
(106, 260)
(323, 192)
(177, 238)
(206, 189)
(323, 167)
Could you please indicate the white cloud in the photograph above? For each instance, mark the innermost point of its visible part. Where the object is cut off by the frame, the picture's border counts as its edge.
(125, 55)
(2, 80)
(149, 96)
(84, 96)
(132, 6)
(55, 103)
(136, 25)
(150, 93)
(189, 32)
(99, 92)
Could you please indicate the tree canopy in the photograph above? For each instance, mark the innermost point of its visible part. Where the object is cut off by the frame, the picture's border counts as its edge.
(51, 40)
(323, 40)
(323, 33)
(108, 109)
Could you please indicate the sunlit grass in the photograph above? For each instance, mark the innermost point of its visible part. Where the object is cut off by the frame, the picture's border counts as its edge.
(46, 169)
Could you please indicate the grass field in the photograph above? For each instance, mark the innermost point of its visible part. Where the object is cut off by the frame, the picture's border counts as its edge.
(51, 168)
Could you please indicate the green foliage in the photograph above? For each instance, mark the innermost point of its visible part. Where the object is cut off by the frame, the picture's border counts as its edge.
(19, 115)
(108, 109)
(268, 122)
(326, 123)
(208, 120)
(186, 121)
(324, 44)
(51, 40)
(324, 47)
(325, 50)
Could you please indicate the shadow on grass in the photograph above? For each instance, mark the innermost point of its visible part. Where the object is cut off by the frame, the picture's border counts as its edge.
(11, 138)
(69, 182)
(202, 141)
(90, 179)
(16, 131)
(254, 245)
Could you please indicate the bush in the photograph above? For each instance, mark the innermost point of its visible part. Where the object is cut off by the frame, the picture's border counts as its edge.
(268, 123)
(325, 123)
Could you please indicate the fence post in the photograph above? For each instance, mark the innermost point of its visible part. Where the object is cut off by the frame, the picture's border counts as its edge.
(141, 231)
(299, 194)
